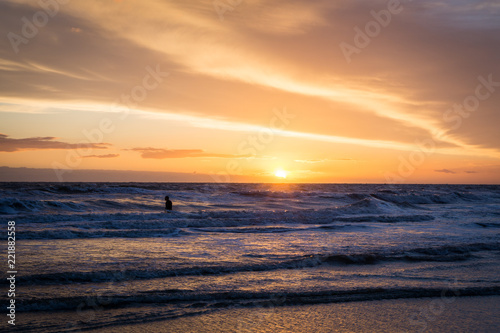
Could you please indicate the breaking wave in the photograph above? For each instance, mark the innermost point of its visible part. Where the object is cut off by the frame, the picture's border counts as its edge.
(448, 253)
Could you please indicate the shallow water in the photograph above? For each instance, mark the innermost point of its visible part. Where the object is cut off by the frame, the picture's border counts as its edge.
(90, 247)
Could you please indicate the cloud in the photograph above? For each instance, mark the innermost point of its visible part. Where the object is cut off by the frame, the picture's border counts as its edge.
(322, 160)
(393, 90)
(158, 153)
(445, 171)
(471, 171)
(310, 161)
(102, 156)
(40, 143)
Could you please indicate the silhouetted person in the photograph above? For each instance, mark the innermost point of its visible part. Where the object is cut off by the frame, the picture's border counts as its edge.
(168, 203)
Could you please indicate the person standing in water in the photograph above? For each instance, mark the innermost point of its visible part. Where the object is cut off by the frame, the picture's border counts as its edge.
(168, 203)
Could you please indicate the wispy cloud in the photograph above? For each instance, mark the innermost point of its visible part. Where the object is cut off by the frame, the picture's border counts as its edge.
(445, 171)
(102, 156)
(322, 160)
(310, 161)
(159, 153)
(42, 143)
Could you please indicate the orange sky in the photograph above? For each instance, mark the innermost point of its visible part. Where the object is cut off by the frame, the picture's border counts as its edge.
(329, 91)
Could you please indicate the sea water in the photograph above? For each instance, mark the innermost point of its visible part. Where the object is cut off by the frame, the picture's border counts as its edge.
(107, 254)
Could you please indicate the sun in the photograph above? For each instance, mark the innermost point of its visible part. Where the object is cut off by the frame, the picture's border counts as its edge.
(280, 173)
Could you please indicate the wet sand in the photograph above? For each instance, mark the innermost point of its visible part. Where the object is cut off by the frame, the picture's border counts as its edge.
(461, 314)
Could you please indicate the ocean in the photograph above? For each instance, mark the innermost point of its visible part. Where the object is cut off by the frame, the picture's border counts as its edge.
(103, 255)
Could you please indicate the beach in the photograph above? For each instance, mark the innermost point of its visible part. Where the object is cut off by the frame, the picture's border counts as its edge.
(467, 314)
(459, 314)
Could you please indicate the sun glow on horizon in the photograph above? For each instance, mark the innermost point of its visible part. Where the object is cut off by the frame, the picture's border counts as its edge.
(280, 173)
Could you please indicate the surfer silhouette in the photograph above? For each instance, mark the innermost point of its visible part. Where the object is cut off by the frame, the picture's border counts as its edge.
(168, 203)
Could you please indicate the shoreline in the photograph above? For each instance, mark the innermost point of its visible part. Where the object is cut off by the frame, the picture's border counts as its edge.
(463, 314)
(457, 314)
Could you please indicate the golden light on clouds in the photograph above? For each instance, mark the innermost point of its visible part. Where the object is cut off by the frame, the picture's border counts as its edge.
(401, 105)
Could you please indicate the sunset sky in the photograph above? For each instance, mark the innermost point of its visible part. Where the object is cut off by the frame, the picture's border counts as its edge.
(236, 90)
